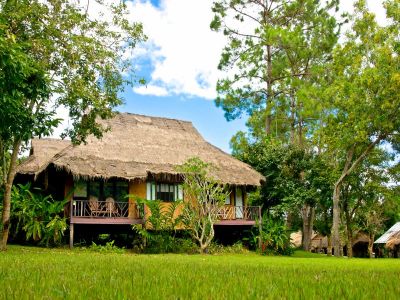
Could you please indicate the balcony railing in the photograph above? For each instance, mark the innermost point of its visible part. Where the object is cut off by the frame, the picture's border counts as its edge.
(103, 209)
(123, 210)
(250, 213)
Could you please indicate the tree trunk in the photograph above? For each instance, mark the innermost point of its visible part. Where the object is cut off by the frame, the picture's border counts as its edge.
(329, 249)
(292, 120)
(349, 242)
(7, 197)
(308, 213)
(300, 129)
(336, 219)
(347, 170)
(349, 230)
(268, 119)
(370, 245)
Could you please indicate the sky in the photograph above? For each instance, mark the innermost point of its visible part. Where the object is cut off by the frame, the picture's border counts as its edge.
(179, 62)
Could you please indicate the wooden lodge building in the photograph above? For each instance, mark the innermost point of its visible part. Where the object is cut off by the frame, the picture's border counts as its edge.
(138, 156)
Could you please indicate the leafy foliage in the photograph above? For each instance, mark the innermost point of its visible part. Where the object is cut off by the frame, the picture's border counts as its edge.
(159, 234)
(360, 98)
(236, 248)
(55, 54)
(109, 247)
(204, 197)
(274, 236)
(274, 51)
(38, 216)
(293, 176)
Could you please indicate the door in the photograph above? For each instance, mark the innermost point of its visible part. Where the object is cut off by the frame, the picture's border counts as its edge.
(239, 203)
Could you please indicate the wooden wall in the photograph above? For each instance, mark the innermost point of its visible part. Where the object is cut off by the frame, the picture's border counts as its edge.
(137, 188)
(69, 185)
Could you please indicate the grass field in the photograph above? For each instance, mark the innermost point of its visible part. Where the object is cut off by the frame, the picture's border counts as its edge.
(35, 273)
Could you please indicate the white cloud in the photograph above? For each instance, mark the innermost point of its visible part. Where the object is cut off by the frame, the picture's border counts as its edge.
(184, 52)
(151, 90)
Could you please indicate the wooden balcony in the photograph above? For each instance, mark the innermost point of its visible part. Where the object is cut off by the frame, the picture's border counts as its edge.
(104, 212)
(239, 215)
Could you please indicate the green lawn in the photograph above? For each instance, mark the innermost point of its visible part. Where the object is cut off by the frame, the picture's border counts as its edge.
(35, 273)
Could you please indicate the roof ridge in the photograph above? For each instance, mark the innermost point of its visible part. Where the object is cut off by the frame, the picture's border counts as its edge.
(154, 117)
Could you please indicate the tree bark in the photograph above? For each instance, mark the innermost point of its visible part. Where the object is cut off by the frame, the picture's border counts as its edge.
(268, 119)
(348, 168)
(349, 242)
(300, 124)
(308, 214)
(336, 219)
(292, 120)
(370, 245)
(329, 249)
(7, 197)
(349, 230)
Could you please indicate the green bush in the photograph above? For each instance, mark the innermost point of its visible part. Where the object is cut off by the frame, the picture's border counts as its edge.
(236, 248)
(164, 242)
(37, 216)
(274, 235)
(160, 233)
(109, 247)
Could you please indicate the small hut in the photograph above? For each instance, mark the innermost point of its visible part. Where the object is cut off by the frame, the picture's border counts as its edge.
(391, 240)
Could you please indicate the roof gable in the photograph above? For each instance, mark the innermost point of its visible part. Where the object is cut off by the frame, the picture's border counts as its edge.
(137, 146)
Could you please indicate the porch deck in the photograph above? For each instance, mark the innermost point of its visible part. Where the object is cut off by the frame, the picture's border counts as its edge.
(111, 220)
(103, 212)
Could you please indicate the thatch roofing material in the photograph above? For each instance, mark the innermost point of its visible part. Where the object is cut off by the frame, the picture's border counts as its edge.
(42, 151)
(393, 241)
(388, 234)
(137, 147)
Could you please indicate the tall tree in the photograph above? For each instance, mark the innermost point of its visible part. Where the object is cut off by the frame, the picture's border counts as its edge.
(363, 194)
(55, 53)
(276, 50)
(362, 100)
(274, 46)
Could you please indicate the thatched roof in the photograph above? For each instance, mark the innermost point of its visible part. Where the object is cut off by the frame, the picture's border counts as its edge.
(138, 147)
(42, 152)
(317, 240)
(393, 241)
(388, 234)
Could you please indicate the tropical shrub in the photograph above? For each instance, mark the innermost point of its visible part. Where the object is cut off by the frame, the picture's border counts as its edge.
(206, 196)
(274, 235)
(236, 248)
(109, 247)
(160, 233)
(37, 216)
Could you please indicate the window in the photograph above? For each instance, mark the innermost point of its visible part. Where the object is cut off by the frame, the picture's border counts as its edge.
(80, 190)
(164, 191)
(228, 199)
(101, 189)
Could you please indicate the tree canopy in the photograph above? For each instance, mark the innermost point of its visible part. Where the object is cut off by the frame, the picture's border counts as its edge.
(55, 54)
(320, 108)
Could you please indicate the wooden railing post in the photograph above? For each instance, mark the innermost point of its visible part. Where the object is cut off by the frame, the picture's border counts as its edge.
(71, 235)
(259, 228)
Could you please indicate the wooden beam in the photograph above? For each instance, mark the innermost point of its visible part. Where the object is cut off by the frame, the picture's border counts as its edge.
(238, 222)
(259, 227)
(71, 235)
(94, 220)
